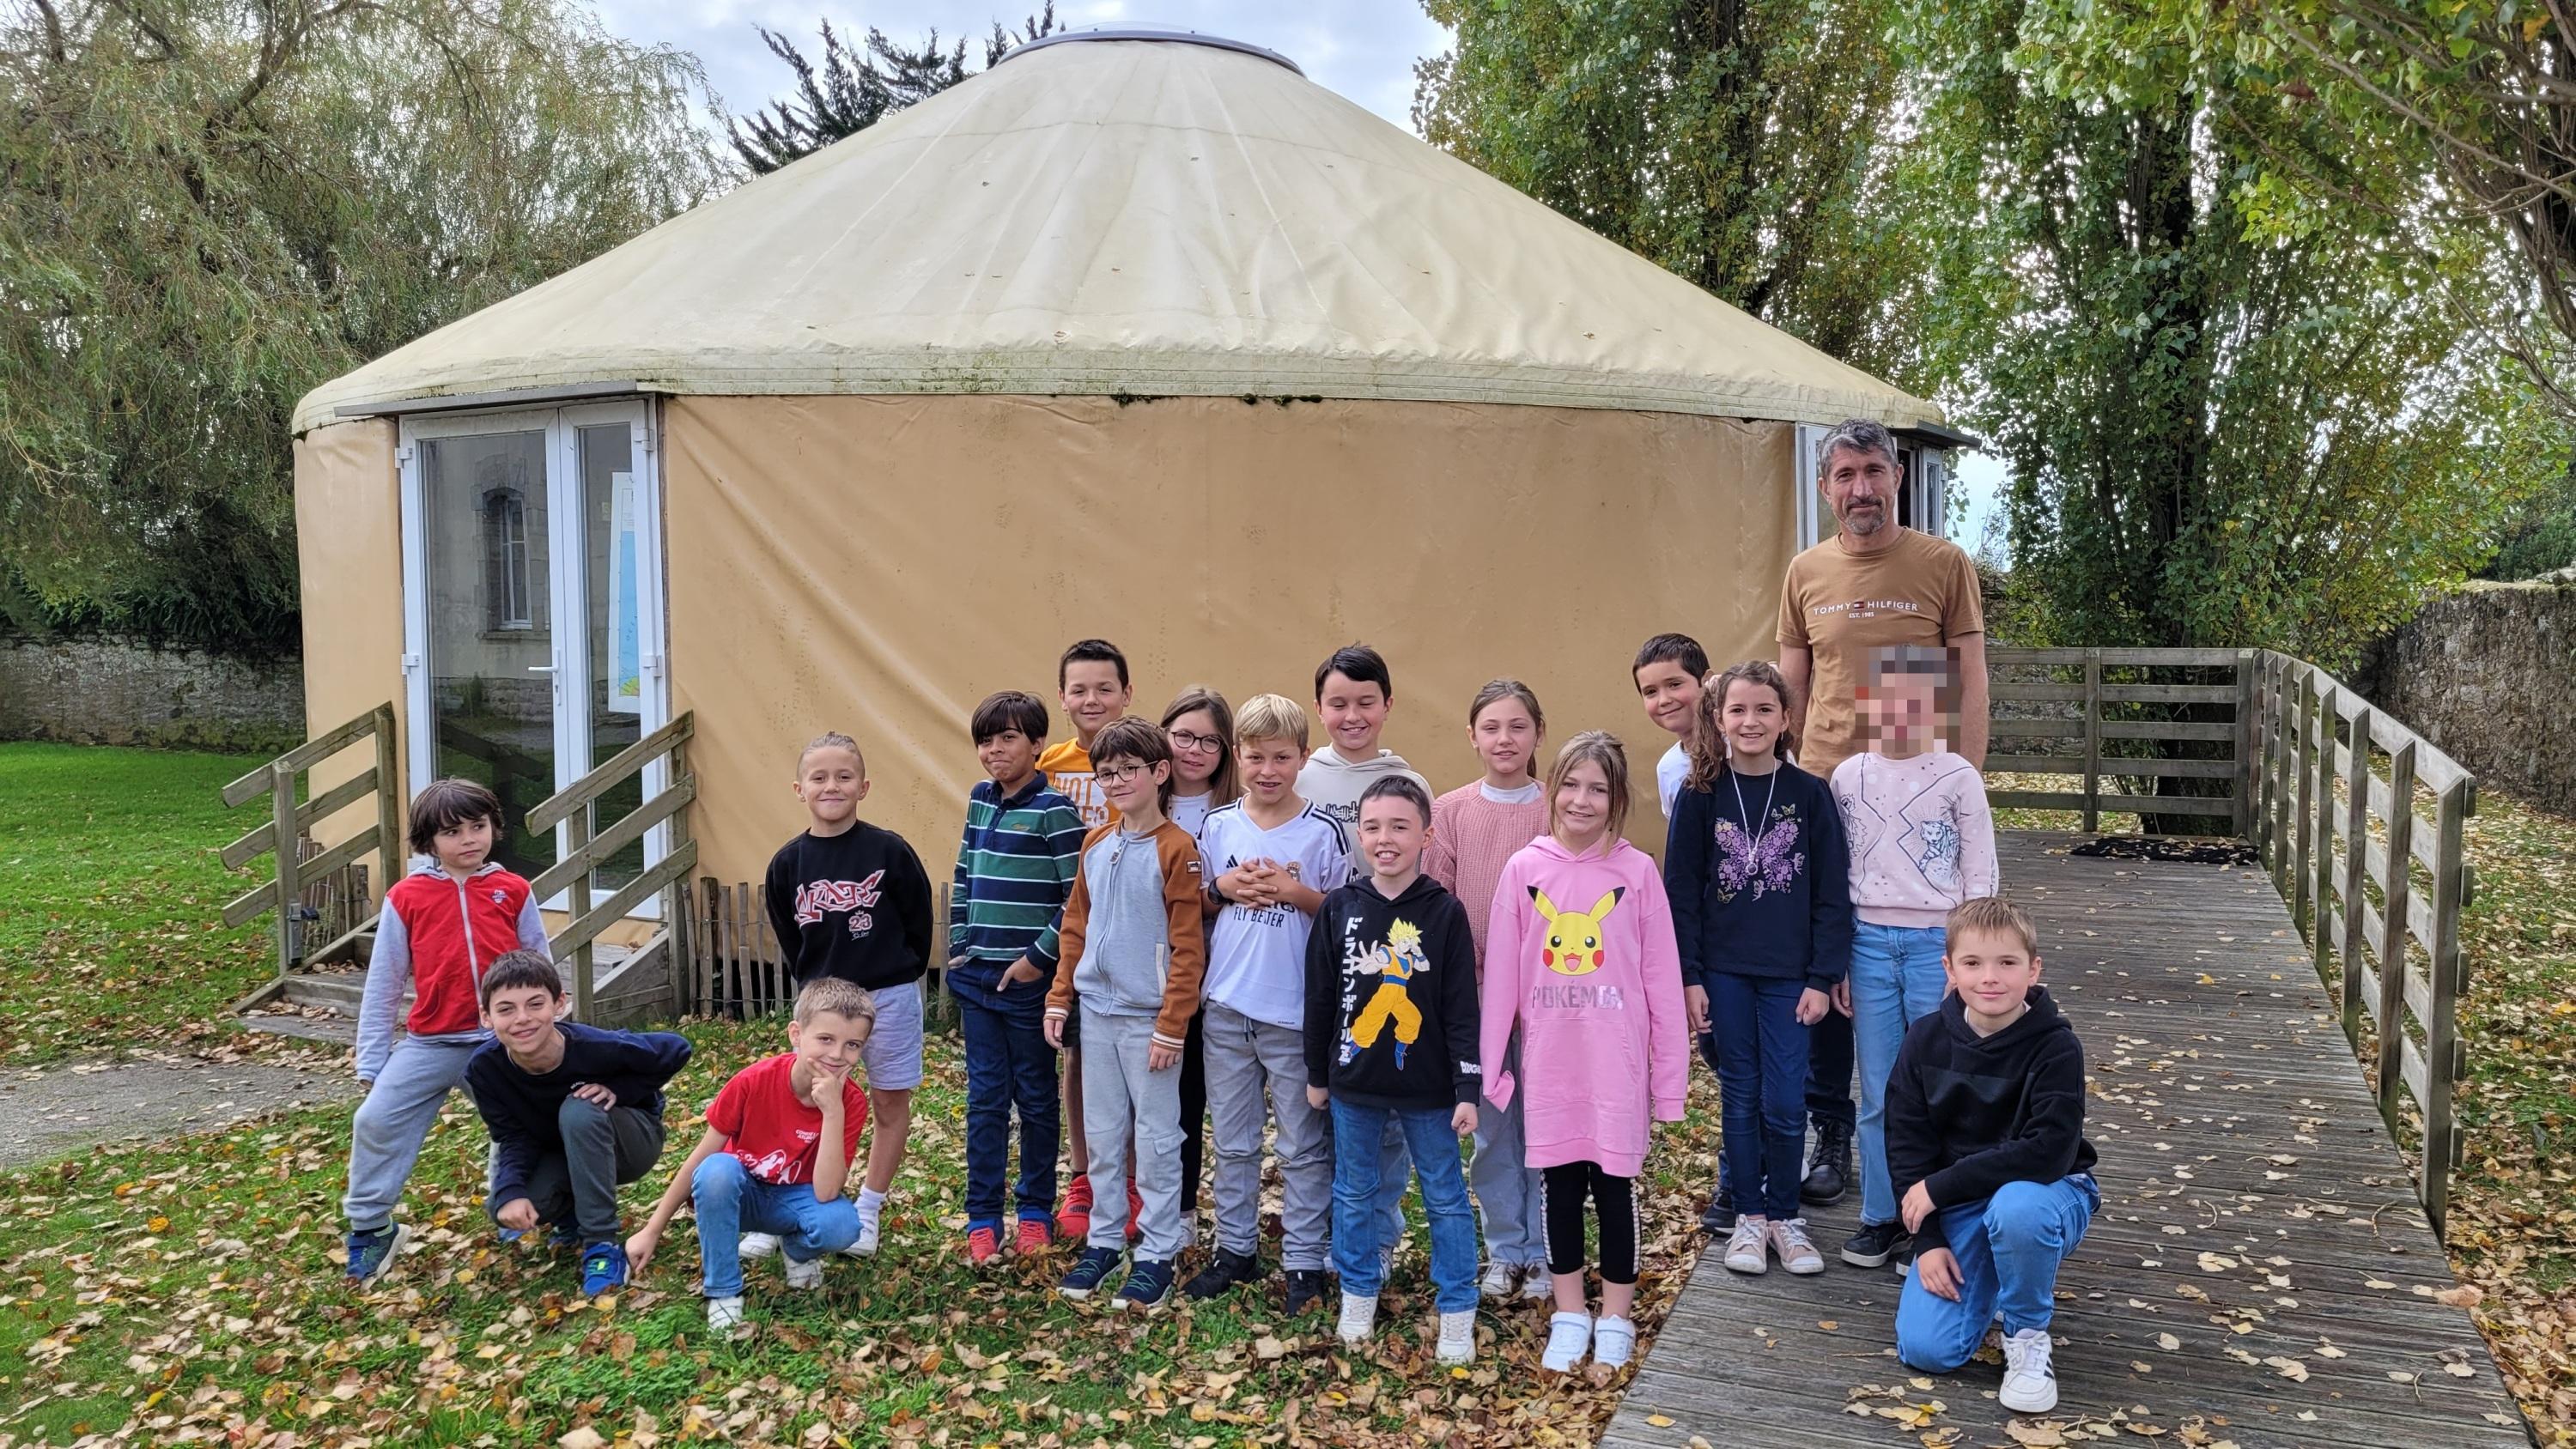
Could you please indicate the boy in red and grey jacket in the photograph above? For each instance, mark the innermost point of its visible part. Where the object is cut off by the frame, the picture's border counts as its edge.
(443, 924)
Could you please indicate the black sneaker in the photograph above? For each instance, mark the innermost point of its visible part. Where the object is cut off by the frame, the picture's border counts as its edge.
(1094, 1265)
(1875, 1244)
(1305, 1289)
(1148, 1286)
(1717, 1217)
(1829, 1171)
(1223, 1273)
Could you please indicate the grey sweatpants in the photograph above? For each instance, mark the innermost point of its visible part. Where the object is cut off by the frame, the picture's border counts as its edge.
(391, 1124)
(1117, 1087)
(1507, 1188)
(1247, 1059)
(601, 1150)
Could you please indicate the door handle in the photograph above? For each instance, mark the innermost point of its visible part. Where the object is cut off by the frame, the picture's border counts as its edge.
(541, 669)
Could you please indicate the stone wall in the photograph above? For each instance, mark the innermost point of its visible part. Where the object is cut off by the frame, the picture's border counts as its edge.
(111, 691)
(2489, 675)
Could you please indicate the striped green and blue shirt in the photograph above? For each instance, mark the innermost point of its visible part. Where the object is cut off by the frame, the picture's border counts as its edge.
(1015, 866)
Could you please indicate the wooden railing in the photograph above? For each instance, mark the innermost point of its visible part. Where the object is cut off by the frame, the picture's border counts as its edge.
(291, 817)
(2362, 824)
(735, 966)
(585, 852)
(2110, 720)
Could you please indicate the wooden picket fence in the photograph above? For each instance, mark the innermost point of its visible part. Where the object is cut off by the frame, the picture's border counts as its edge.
(736, 968)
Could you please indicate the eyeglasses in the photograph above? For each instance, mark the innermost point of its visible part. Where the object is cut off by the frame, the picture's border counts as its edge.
(1184, 740)
(1121, 774)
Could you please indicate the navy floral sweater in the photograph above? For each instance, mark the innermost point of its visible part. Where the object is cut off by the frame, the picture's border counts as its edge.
(1758, 873)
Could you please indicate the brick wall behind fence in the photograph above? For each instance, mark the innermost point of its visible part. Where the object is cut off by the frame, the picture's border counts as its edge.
(2489, 674)
(111, 691)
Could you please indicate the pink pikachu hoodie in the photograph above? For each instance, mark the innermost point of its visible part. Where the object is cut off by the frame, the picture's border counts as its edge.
(1579, 955)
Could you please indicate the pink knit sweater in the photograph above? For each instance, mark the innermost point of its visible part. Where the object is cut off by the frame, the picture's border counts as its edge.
(1472, 838)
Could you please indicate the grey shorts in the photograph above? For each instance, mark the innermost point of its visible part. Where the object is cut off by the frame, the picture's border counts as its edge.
(893, 1050)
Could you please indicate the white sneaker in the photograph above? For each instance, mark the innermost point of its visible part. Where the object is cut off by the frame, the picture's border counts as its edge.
(1537, 1284)
(1797, 1251)
(1359, 1319)
(724, 1317)
(758, 1245)
(806, 1276)
(1458, 1337)
(1614, 1342)
(2030, 1385)
(1748, 1247)
(1497, 1282)
(865, 1245)
(1569, 1335)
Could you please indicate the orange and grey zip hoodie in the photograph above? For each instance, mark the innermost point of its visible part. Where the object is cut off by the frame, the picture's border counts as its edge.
(1134, 938)
(437, 934)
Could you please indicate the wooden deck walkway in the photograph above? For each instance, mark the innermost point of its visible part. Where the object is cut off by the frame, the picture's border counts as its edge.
(2259, 1273)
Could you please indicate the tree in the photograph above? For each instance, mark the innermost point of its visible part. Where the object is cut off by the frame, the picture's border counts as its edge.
(1740, 144)
(211, 206)
(2216, 434)
(855, 89)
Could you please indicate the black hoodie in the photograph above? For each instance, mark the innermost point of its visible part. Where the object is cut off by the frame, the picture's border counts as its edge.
(1412, 1047)
(1968, 1113)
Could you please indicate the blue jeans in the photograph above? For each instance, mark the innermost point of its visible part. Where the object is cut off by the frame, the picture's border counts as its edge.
(1358, 1133)
(732, 1202)
(1762, 1074)
(1008, 1065)
(2008, 1249)
(1896, 977)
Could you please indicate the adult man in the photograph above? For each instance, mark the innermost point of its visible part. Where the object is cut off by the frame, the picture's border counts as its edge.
(1875, 583)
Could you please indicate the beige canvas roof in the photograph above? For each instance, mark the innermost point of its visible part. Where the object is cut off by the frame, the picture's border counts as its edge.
(1140, 217)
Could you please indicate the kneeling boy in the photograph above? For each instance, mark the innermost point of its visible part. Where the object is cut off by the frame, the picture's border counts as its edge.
(1985, 1145)
(575, 1112)
(776, 1153)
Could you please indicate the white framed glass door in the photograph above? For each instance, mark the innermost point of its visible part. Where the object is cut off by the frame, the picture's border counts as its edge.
(532, 587)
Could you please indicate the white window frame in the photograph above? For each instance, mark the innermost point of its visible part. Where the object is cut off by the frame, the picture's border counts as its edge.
(567, 585)
(505, 538)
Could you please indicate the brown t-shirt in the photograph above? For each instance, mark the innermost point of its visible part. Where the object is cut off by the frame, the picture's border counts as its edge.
(1842, 605)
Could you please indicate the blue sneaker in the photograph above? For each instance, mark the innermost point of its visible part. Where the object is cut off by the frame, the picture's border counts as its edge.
(603, 1269)
(1148, 1286)
(563, 1235)
(1084, 1280)
(511, 1236)
(370, 1254)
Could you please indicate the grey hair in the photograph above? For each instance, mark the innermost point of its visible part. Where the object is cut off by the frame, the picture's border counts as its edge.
(1859, 435)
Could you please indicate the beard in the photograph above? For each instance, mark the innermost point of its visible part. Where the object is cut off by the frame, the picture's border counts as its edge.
(1863, 521)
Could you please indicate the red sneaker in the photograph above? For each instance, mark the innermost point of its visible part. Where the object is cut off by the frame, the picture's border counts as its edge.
(1074, 1223)
(1135, 1207)
(983, 1245)
(1033, 1237)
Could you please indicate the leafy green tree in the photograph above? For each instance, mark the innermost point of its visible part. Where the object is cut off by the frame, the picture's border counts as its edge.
(855, 88)
(207, 207)
(1739, 144)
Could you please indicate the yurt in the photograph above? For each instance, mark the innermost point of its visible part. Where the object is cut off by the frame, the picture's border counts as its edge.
(1137, 335)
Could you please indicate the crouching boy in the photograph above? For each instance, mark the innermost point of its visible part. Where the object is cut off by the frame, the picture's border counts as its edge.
(575, 1112)
(776, 1153)
(1985, 1145)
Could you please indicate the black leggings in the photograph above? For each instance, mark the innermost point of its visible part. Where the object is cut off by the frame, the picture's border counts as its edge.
(1615, 1198)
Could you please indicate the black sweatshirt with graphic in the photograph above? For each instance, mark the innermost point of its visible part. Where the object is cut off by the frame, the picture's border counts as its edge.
(854, 905)
(1391, 998)
(1968, 1113)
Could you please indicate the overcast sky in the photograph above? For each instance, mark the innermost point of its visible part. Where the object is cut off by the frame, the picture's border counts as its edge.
(1364, 49)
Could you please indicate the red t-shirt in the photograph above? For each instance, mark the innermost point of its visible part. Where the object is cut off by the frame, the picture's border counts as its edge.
(770, 1131)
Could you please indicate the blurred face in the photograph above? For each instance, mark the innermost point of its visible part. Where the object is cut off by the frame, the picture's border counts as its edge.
(1861, 489)
(1392, 834)
(1505, 738)
(1269, 768)
(1900, 713)
(1751, 718)
(1132, 785)
(465, 846)
(1197, 751)
(1009, 757)
(522, 1017)
(831, 782)
(1092, 696)
(1582, 806)
(1354, 713)
(830, 1040)
(1668, 692)
(1993, 973)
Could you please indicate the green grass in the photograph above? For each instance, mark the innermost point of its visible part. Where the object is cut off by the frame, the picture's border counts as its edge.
(109, 928)
(189, 1290)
